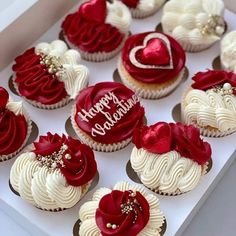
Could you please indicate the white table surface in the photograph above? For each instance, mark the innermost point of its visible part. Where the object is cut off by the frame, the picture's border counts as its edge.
(217, 217)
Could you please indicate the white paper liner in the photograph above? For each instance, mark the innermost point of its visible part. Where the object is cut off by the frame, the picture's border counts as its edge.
(62, 103)
(9, 156)
(98, 56)
(145, 92)
(101, 147)
(205, 131)
(139, 14)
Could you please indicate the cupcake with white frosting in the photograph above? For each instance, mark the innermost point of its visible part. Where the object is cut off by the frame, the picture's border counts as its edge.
(170, 158)
(15, 126)
(143, 8)
(196, 24)
(228, 52)
(124, 210)
(210, 103)
(55, 173)
(98, 29)
(49, 75)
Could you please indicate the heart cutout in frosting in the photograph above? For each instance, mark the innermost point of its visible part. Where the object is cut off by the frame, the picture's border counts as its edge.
(155, 53)
(94, 10)
(3, 98)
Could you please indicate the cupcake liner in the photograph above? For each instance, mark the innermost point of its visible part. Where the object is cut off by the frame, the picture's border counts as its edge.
(11, 155)
(139, 14)
(101, 147)
(97, 56)
(207, 131)
(60, 104)
(144, 91)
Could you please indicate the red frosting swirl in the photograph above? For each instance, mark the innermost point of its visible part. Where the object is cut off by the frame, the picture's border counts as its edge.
(123, 129)
(80, 168)
(88, 30)
(111, 211)
(131, 3)
(13, 128)
(155, 53)
(35, 82)
(212, 78)
(165, 137)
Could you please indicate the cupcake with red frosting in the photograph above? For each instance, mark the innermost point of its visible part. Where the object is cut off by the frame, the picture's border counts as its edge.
(105, 116)
(55, 173)
(49, 75)
(125, 210)
(152, 64)
(98, 29)
(210, 103)
(143, 8)
(15, 126)
(170, 158)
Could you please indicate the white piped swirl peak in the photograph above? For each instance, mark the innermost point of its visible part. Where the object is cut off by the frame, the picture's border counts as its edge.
(210, 108)
(196, 22)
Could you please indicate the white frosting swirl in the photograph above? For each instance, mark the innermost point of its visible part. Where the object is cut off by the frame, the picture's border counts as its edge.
(168, 173)
(17, 108)
(210, 109)
(87, 211)
(73, 75)
(184, 20)
(228, 51)
(118, 15)
(42, 187)
(149, 5)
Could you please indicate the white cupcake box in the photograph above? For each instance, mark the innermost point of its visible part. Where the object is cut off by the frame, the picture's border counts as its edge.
(179, 210)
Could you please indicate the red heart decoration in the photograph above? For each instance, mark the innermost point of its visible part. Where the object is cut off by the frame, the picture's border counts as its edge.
(155, 53)
(3, 98)
(158, 138)
(94, 10)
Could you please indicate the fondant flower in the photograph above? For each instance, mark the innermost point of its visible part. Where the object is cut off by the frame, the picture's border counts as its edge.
(212, 78)
(188, 143)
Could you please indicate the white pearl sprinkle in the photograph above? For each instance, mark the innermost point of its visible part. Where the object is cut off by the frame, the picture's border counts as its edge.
(219, 30)
(114, 226)
(54, 165)
(68, 156)
(227, 86)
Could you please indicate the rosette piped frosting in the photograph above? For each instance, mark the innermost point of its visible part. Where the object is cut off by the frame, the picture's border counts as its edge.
(55, 174)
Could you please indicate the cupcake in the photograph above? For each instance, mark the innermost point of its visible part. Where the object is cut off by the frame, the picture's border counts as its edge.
(228, 52)
(210, 103)
(55, 173)
(105, 116)
(196, 24)
(143, 8)
(125, 210)
(151, 64)
(49, 75)
(98, 29)
(15, 126)
(170, 158)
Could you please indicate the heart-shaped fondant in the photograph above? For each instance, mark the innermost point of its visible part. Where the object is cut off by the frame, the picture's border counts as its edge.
(94, 10)
(158, 138)
(155, 53)
(3, 98)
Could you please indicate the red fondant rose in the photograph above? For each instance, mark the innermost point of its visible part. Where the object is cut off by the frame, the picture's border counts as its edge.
(163, 137)
(78, 164)
(212, 78)
(188, 143)
(155, 138)
(35, 82)
(122, 213)
(13, 128)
